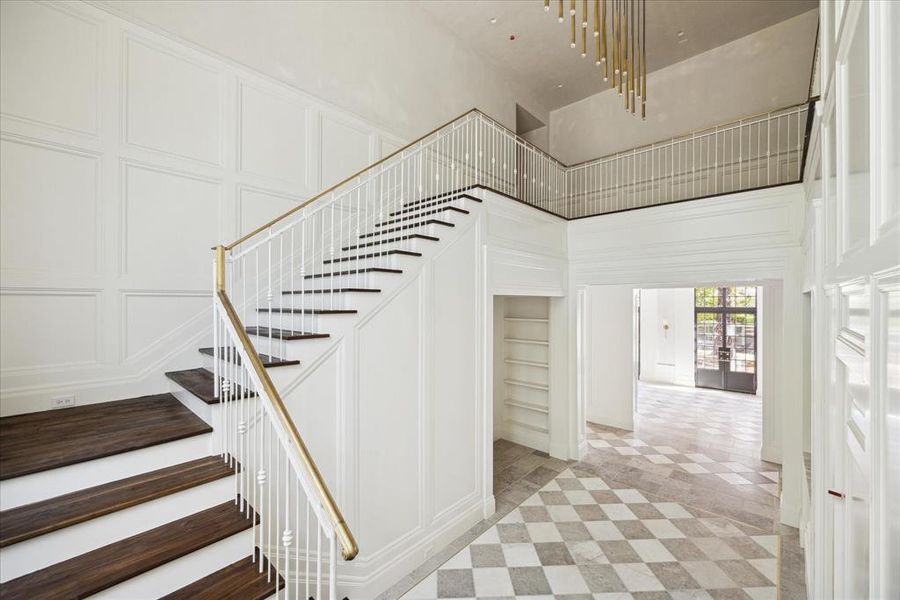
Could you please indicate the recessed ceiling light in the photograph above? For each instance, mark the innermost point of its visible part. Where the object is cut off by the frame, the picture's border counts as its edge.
(493, 20)
(680, 34)
(559, 85)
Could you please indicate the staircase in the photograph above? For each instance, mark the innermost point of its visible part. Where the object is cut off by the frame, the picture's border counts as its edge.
(209, 491)
(129, 499)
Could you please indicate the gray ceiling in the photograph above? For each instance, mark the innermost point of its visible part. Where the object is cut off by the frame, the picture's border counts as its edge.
(540, 55)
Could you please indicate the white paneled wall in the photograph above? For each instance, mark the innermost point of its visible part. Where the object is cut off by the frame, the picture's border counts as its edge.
(124, 156)
(852, 272)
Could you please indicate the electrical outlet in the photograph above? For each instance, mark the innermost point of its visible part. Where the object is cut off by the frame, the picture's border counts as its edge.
(63, 401)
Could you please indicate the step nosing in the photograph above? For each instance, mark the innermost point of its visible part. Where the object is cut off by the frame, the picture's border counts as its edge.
(47, 440)
(45, 516)
(102, 568)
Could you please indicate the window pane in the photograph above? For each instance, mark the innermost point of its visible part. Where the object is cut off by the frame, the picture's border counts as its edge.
(709, 339)
(709, 296)
(741, 338)
(742, 297)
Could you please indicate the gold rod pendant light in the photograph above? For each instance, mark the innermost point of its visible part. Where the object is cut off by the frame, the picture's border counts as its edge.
(620, 28)
(583, 42)
(605, 58)
(633, 58)
(572, 43)
(644, 61)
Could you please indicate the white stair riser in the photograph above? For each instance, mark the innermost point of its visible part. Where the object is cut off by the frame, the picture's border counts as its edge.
(381, 234)
(391, 261)
(55, 482)
(463, 203)
(45, 550)
(370, 280)
(442, 214)
(178, 573)
(413, 245)
(337, 300)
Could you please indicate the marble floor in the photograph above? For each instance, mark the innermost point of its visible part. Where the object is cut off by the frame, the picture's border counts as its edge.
(680, 508)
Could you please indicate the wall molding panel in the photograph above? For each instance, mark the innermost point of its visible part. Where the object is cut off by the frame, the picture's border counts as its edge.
(145, 151)
(50, 62)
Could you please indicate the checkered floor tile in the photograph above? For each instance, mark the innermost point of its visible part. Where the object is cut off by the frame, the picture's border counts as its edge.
(577, 538)
(674, 423)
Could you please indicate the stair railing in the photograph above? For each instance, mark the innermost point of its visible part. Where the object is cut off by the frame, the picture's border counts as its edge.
(285, 277)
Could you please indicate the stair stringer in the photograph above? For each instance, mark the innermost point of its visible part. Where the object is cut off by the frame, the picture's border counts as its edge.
(400, 521)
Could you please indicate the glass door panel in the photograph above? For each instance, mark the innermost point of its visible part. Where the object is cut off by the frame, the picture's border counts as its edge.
(725, 338)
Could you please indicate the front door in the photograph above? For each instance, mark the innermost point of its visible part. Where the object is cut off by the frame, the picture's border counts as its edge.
(725, 338)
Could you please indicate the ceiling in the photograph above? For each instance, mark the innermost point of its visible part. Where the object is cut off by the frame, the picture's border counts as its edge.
(540, 55)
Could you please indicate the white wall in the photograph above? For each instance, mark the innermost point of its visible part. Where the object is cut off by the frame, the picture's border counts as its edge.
(722, 84)
(609, 343)
(390, 62)
(667, 356)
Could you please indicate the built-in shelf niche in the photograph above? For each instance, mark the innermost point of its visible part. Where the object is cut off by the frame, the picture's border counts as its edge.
(522, 371)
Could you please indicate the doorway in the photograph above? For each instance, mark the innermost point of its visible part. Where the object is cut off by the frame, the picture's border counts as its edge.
(725, 338)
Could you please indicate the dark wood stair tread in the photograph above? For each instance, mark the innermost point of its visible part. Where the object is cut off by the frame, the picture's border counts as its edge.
(45, 440)
(309, 311)
(201, 383)
(371, 255)
(286, 334)
(333, 291)
(99, 569)
(267, 361)
(238, 581)
(423, 212)
(31, 520)
(400, 238)
(411, 225)
(422, 205)
(353, 272)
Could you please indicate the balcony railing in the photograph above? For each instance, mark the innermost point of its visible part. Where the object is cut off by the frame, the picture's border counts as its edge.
(751, 153)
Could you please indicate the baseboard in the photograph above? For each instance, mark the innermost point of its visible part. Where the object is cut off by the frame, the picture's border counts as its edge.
(412, 555)
(582, 449)
(526, 437)
(790, 512)
(770, 453)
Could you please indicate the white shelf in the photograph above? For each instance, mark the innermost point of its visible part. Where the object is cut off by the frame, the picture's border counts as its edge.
(528, 384)
(527, 405)
(527, 363)
(524, 341)
(525, 320)
(527, 426)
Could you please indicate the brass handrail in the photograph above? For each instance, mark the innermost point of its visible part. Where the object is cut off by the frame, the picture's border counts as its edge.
(349, 547)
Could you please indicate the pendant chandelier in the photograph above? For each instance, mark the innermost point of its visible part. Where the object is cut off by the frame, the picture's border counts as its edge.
(619, 31)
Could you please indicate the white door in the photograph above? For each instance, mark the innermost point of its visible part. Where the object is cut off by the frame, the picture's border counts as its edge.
(854, 390)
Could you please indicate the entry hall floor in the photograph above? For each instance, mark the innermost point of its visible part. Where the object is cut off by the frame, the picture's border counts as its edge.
(623, 524)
